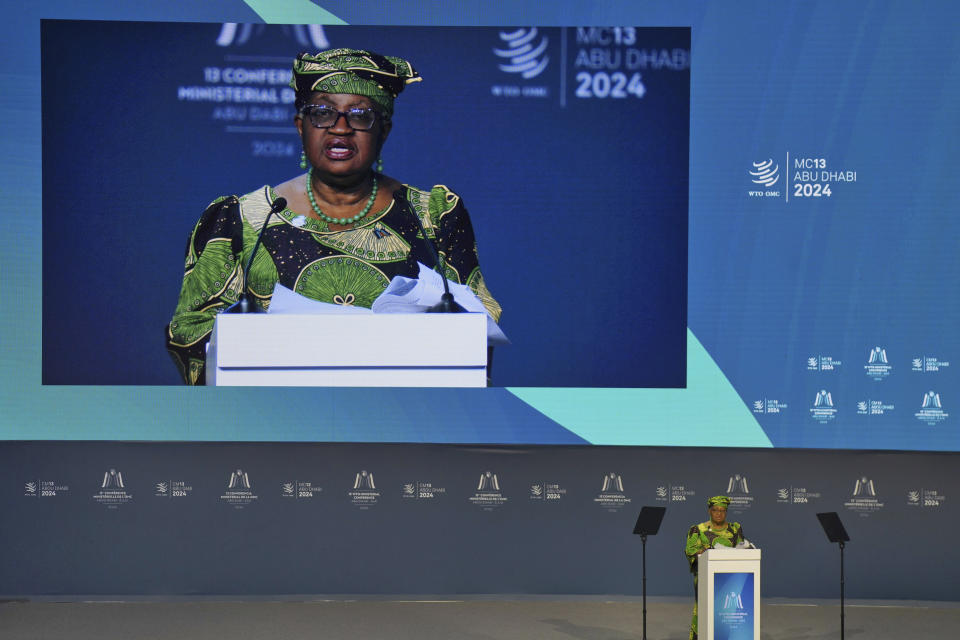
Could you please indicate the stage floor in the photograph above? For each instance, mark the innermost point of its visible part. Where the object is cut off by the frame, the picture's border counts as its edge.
(448, 618)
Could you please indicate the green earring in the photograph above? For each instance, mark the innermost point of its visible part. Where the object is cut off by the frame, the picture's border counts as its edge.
(380, 164)
(303, 160)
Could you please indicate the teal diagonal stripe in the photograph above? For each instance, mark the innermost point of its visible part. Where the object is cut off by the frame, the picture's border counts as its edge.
(292, 12)
(708, 413)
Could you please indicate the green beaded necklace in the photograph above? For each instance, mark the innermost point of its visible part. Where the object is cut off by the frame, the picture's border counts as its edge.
(320, 214)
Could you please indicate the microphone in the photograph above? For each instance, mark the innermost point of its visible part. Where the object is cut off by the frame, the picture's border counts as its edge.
(245, 304)
(447, 304)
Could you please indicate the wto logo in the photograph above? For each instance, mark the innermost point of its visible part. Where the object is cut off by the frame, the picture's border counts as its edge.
(864, 487)
(288, 488)
(765, 173)
(112, 479)
(161, 488)
(612, 482)
(661, 492)
(524, 53)
(306, 35)
(738, 484)
(732, 600)
(409, 489)
(364, 480)
(536, 490)
(783, 494)
(239, 480)
(488, 482)
(913, 497)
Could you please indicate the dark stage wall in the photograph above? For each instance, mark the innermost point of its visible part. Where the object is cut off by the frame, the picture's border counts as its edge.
(222, 518)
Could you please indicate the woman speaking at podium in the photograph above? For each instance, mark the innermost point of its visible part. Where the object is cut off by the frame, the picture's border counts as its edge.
(347, 228)
(715, 532)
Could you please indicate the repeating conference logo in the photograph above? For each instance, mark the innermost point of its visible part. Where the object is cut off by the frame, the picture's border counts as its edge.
(239, 491)
(44, 489)
(796, 495)
(113, 491)
(864, 499)
(421, 491)
(928, 364)
(488, 495)
(172, 489)
(299, 490)
(234, 34)
(877, 367)
(931, 409)
(929, 498)
(806, 177)
(823, 410)
(873, 407)
(364, 493)
(547, 492)
(823, 363)
(738, 490)
(669, 492)
(769, 405)
(522, 56)
(248, 96)
(612, 496)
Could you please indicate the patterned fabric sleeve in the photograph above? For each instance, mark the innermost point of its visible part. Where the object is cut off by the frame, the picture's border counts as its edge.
(211, 282)
(695, 544)
(457, 245)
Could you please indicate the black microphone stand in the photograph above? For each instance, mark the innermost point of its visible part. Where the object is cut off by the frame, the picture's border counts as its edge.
(447, 304)
(244, 303)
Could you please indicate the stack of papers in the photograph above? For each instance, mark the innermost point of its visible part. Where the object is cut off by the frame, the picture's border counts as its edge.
(402, 295)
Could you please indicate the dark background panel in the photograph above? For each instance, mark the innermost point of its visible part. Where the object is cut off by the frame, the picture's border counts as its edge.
(69, 544)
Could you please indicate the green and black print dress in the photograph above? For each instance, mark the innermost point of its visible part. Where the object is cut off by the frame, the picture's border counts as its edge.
(348, 267)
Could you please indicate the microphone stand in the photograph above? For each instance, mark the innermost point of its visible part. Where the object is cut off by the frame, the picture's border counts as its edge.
(244, 303)
(447, 304)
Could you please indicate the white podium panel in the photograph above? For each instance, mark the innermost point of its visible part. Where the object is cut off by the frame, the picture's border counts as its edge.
(387, 350)
(728, 594)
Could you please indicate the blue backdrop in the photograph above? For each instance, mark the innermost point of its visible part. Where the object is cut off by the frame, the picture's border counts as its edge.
(820, 303)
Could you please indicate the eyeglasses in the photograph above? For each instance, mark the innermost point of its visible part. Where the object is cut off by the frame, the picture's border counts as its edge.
(324, 117)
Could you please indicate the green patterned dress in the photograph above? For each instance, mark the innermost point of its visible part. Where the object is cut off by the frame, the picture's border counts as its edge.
(347, 267)
(701, 537)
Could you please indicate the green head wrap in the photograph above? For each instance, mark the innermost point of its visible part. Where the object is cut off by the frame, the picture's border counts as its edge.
(362, 73)
(718, 501)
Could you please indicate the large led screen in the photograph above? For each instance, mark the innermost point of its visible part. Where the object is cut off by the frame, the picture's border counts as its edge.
(710, 225)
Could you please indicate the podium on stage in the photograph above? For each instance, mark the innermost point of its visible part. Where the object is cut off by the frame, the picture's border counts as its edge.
(728, 594)
(353, 350)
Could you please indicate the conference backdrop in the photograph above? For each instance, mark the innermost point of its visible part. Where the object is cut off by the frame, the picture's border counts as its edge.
(817, 294)
(817, 282)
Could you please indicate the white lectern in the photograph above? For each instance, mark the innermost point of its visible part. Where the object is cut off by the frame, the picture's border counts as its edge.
(355, 350)
(728, 594)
